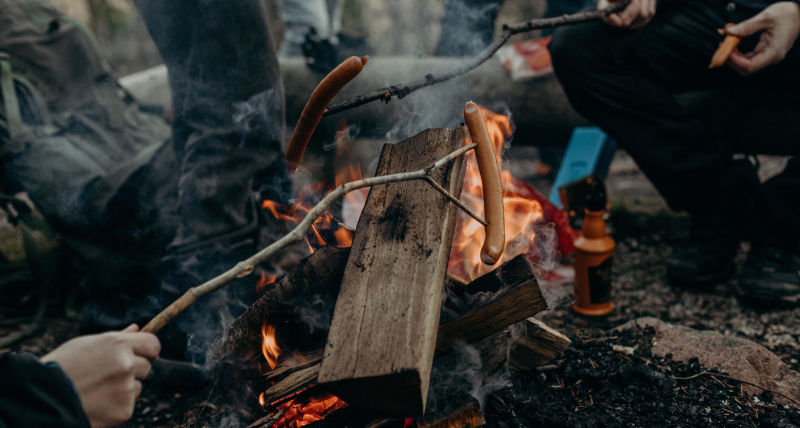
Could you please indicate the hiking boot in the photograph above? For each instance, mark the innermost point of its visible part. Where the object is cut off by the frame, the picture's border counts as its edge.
(771, 276)
(707, 257)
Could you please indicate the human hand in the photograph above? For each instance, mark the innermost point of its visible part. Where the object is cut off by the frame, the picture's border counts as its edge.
(107, 370)
(636, 15)
(779, 24)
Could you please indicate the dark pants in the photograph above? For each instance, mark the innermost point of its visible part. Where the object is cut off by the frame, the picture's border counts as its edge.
(626, 82)
(228, 124)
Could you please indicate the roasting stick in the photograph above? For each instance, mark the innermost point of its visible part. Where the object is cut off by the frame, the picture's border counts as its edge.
(725, 49)
(495, 239)
(401, 90)
(246, 267)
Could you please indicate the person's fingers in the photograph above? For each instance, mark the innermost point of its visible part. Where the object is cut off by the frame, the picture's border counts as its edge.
(748, 65)
(145, 345)
(141, 367)
(741, 63)
(750, 26)
(137, 388)
(614, 20)
(131, 328)
(631, 12)
(653, 7)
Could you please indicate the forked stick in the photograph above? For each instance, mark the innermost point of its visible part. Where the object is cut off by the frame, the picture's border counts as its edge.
(246, 267)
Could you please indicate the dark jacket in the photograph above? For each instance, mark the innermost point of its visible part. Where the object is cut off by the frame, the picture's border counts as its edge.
(34, 394)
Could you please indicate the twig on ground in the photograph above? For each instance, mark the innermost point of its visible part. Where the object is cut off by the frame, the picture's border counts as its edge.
(401, 90)
(246, 267)
(735, 379)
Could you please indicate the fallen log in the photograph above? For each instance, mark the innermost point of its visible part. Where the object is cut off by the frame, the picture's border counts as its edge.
(536, 346)
(543, 111)
(383, 333)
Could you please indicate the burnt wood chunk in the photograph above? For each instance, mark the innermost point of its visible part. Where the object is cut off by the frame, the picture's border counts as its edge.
(460, 301)
(383, 333)
(538, 345)
(317, 275)
(516, 296)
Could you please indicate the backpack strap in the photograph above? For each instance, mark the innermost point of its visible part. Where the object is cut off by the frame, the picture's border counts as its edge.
(12, 111)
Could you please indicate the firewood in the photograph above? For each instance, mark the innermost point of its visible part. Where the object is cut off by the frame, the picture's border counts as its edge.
(292, 384)
(513, 282)
(288, 367)
(383, 333)
(538, 345)
(461, 410)
(317, 274)
(522, 299)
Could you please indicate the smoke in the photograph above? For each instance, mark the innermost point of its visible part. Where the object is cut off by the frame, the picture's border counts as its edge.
(260, 113)
(464, 370)
(315, 313)
(544, 252)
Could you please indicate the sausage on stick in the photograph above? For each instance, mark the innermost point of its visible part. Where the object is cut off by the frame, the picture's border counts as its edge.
(725, 49)
(492, 190)
(315, 107)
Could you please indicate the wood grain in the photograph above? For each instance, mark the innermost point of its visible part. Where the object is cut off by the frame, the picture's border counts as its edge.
(383, 333)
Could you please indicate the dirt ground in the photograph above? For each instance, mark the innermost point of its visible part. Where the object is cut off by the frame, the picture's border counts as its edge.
(591, 384)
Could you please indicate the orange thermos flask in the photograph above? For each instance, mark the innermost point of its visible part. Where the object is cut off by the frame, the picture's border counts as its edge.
(593, 262)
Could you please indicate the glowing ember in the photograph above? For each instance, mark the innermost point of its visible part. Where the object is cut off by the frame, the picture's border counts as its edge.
(298, 413)
(269, 345)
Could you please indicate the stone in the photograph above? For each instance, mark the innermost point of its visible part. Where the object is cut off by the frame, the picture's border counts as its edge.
(740, 358)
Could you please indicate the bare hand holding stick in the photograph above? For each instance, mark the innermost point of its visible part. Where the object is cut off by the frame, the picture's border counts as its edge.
(107, 370)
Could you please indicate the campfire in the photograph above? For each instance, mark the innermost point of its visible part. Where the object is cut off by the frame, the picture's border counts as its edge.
(523, 208)
(481, 302)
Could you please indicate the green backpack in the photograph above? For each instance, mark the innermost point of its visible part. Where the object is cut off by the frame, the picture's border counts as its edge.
(96, 165)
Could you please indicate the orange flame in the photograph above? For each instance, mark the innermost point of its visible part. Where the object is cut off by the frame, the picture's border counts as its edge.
(520, 213)
(264, 279)
(269, 345)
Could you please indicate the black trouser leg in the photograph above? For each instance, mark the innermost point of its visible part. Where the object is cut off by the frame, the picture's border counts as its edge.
(228, 104)
(625, 81)
(228, 123)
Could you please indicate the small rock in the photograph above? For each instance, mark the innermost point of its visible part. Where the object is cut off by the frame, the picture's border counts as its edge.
(740, 358)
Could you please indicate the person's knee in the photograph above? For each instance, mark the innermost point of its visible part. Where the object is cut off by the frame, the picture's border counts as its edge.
(574, 48)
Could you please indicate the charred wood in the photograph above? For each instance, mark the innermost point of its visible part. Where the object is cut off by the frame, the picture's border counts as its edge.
(538, 345)
(517, 297)
(383, 333)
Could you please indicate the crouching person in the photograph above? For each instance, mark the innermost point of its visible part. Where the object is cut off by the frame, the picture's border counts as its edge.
(624, 75)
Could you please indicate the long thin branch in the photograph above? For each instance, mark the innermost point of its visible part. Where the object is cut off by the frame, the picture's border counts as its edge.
(246, 267)
(401, 90)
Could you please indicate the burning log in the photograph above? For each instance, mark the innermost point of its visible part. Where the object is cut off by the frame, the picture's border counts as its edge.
(317, 275)
(383, 333)
(510, 285)
(537, 346)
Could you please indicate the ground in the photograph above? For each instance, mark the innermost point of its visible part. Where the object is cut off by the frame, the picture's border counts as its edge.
(591, 384)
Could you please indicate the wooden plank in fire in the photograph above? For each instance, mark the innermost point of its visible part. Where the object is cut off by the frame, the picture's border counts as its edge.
(383, 333)
(500, 288)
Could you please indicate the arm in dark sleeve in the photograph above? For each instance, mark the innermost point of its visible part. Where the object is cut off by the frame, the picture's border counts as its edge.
(35, 394)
